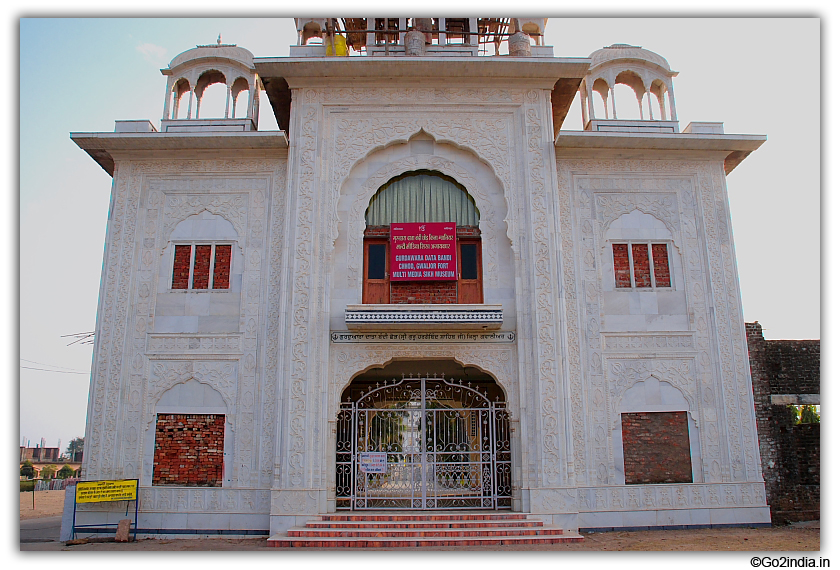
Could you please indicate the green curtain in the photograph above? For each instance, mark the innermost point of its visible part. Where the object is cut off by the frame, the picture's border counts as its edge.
(421, 198)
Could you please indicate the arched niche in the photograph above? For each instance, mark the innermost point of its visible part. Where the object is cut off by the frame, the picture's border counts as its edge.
(496, 362)
(211, 92)
(602, 88)
(240, 104)
(421, 152)
(653, 395)
(181, 100)
(408, 368)
(429, 419)
(201, 271)
(190, 398)
(652, 307)
(203, 227)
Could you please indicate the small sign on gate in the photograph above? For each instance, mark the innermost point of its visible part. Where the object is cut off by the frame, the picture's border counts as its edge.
(373, 462)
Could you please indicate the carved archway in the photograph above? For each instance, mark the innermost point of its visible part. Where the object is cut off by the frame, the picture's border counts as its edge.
(360, 196)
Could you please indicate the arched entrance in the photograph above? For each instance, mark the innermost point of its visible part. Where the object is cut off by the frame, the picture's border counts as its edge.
(423, 441)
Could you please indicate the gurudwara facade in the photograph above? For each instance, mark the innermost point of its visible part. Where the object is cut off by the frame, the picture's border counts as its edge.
(420, 293)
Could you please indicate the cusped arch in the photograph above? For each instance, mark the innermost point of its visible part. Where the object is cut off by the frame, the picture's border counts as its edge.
(207, 78)
(495, 362)
(204, 225)
(184, 393)
(641, 222)
(659, 89)
(207, 66)
(633, 80)
(181, 88)
(361, 195)
(170, 378)
(397, 359)
(662, 207)
(638, 224)
(690, 401)
(181, 209)
(492, 164)
(430, 194)
(167, 377)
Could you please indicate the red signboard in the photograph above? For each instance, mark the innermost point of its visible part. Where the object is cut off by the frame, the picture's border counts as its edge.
(423, 252)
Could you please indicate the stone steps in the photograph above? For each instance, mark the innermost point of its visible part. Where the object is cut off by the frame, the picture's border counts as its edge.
(421, 530)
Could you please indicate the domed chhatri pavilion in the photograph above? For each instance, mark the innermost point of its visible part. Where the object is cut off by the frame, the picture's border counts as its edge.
(420, 294)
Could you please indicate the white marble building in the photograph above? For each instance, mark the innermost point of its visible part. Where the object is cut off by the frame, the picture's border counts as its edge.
(604, 289)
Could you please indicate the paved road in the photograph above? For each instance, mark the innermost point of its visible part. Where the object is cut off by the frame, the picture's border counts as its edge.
(40, 534)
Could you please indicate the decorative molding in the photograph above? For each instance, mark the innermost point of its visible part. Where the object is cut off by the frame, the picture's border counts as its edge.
(205, 500)
(356, 221)
(274, 322)
(294, 502)
(661, 206)
(151, 195)
(624, 373)
(356, 135)
(545, 296)
(300, 360)
(647, 497)
(419, 95)
(444, 337)
(341, 140)
(195, 500)
(704, 238)
(498, 360)
(219, 375)
(491, 317)
(229, 344)
(648, 341)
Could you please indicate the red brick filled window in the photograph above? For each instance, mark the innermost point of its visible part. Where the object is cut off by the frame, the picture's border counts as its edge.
(656, 447)
(202, 266)
(189, 450)
(641, 265)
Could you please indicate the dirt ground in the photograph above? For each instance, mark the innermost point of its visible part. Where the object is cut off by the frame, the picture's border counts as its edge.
(47, 504)
(802, 537)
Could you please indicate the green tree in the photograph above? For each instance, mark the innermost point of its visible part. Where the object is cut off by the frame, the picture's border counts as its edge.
(65, 472)
(48, 472)
(76, 444)
(27, 469)
(804, 414)
(809, 415)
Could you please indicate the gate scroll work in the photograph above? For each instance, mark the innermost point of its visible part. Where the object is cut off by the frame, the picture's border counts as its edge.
(423, 443)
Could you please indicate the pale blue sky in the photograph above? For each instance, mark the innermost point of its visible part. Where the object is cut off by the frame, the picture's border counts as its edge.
(757, 76)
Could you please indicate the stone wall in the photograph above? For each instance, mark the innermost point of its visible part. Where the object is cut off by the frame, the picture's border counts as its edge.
(785, 372)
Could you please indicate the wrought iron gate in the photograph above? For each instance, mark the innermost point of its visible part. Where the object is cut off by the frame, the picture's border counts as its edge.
(423, 443)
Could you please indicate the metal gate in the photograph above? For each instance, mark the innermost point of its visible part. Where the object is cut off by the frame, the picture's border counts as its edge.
(423, 443)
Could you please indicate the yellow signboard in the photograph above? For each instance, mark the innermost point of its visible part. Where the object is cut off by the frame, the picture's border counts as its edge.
(104, 491)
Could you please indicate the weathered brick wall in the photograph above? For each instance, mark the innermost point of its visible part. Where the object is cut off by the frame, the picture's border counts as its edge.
(790, 454)
(656, 447)
(189, 450)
